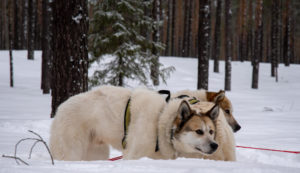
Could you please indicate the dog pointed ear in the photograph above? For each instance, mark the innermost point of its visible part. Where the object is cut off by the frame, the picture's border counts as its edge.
(219, 97)
(184, 110)
(213, 113)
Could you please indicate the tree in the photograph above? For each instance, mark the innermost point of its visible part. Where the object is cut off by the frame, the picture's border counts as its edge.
(228, 39)
(30, 33)
(173, 34)
(217, 41)
(70, 55)
(187, 12)
(156, 40)
(249, 52)
(46, 48)
(242, 28)
(274, 38)
(10, 39)
(258, 43)
(115, 30)
(168, 45)
(286, 34)
(16, 25)
(203, 44)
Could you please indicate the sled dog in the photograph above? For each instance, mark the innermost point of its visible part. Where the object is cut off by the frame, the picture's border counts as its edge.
(86, 124)
(225, 104)
(224, 134)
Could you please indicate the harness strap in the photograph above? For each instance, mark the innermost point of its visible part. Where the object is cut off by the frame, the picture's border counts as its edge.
(165, 92)
(126, 123)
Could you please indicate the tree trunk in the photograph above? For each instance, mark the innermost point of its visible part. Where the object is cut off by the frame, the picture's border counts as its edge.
(11, 42)
(16, 26)
(258, 43)
(286, 35)
(168, 45)
(217, 41)
(203, 44)
(155, 60)
(173, 28)
(249, 46)
(242, 30)
(30, 34)
(274, 37)
(70, 55)
(24, 25)
(186, 28)
(227, 38)
(46, 48)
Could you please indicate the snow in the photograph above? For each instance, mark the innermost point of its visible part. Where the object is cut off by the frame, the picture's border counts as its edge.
(269, 116)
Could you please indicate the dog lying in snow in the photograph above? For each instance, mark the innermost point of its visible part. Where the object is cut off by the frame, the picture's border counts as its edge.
(224, 134)
(86, 124)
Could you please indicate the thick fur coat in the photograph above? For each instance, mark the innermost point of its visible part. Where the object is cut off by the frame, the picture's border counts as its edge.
(86, 124)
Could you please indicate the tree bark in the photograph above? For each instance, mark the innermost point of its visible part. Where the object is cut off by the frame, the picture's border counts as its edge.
(30, 34)
(258, 43)
(286, 35)
(228, 39)
(173, 28)
(186, 28)
(217, 41)
(155, 60)
(168, 45)
(70, 55)
(203, 44)
(46, 48)
(274, 37)
(11, 42)
(249, 46)
(16, 26)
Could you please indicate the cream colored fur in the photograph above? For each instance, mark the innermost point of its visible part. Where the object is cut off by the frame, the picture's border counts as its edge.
(224, 136)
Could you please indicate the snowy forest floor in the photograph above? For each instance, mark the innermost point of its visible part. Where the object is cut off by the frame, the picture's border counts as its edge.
(269, 116)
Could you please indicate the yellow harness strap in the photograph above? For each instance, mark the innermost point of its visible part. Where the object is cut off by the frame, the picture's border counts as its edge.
(126, 123)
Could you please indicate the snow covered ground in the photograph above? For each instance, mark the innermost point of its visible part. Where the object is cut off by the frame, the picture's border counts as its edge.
(269, 116)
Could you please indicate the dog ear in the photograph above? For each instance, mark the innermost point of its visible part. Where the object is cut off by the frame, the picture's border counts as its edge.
(184, 110)
(183, 114)
(213, 113)
(219, 97)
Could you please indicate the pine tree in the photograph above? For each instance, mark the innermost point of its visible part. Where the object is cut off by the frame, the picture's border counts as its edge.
(46, 47)
(30, 33)
(274, 38)
(217, 41)
(70, 58)
(203, 44)
(258, 43)
(227, 38)
(115, 30)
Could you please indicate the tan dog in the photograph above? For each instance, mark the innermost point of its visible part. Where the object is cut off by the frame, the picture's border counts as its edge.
(86, 124)
(225, 104)
(224, 134)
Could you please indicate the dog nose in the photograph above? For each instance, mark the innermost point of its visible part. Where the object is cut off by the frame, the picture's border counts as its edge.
(237, 128)
(214, 146)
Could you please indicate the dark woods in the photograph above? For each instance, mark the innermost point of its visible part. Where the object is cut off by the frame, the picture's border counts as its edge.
(229, 30)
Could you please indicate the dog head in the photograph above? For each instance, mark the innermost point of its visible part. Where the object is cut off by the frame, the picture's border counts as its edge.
(194, 132)
(225, 104)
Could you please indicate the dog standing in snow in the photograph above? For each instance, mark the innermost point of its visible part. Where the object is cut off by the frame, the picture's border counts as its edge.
(140, 123)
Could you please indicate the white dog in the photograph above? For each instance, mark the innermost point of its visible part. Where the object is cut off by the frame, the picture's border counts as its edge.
(139, 123)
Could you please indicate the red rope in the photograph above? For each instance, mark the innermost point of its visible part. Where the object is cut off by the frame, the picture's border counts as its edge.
(284, 151)
(116, 158)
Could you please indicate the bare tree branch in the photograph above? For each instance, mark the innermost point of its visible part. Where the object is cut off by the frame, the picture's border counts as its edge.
(16, 158)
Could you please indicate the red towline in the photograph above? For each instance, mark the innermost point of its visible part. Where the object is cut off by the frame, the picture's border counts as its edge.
(266, 149)
(283, 151)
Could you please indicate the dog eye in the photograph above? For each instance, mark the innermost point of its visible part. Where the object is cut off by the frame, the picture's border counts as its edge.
(227, 111)
(199, 132)
(211, 132)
